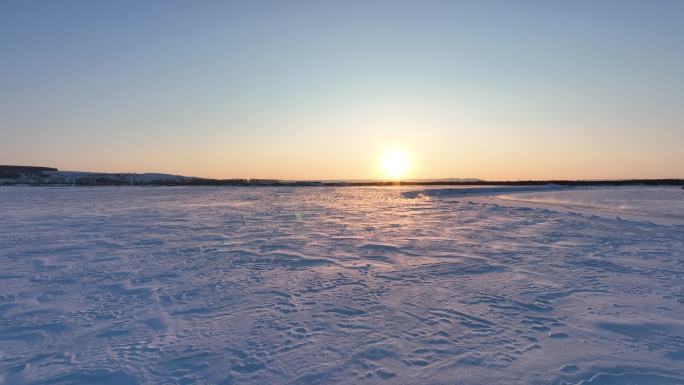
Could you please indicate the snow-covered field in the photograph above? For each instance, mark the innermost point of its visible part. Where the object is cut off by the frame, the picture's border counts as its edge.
(199, 285)
(655, 204)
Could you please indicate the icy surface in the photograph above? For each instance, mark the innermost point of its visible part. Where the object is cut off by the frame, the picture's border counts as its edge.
(647, 202)
(331, 285)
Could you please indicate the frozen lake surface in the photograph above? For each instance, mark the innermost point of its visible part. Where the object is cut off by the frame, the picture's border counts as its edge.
(656, 204)
(201, 285)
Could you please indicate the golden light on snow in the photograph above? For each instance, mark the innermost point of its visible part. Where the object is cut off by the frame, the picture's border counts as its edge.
(394, 163)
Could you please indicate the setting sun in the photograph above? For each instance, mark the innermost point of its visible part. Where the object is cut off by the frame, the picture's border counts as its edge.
(394, 164)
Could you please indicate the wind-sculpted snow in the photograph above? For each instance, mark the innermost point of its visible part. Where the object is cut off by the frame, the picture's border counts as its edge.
(663, 205)
(478, 190)
(330, 285)
(647, 202)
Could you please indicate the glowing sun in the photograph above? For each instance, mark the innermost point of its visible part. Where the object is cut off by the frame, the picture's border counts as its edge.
(394, 163)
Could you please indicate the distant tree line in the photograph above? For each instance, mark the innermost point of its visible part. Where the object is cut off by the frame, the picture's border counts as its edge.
(38, 176)
(621, 182)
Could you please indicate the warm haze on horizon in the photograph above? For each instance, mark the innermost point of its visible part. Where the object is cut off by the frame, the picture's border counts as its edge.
(497, 90)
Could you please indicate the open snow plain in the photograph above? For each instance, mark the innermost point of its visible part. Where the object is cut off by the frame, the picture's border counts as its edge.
(333, 285)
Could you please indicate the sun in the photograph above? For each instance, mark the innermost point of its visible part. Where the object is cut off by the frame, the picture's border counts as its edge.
(394, 164)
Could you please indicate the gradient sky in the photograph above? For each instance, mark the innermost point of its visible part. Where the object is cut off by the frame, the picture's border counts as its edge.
(317, 89)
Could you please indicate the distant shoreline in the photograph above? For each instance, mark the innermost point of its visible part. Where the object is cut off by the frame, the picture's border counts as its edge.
(48, 176)
(624, 182)
(232, 183)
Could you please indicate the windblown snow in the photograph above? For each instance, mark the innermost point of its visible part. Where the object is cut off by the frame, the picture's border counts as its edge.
(201, 285)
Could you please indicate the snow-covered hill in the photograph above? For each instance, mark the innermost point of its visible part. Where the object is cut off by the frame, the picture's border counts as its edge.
(92, 178)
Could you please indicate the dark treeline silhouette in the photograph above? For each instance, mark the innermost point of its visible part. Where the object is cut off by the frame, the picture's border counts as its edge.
(621, 182)
(49, 176)
(103, 181)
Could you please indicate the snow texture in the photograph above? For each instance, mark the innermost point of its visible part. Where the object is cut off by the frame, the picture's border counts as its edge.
(657, 202)
(203, 285)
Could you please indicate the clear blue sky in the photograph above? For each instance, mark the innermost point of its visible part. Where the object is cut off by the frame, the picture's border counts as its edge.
(318, 89)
